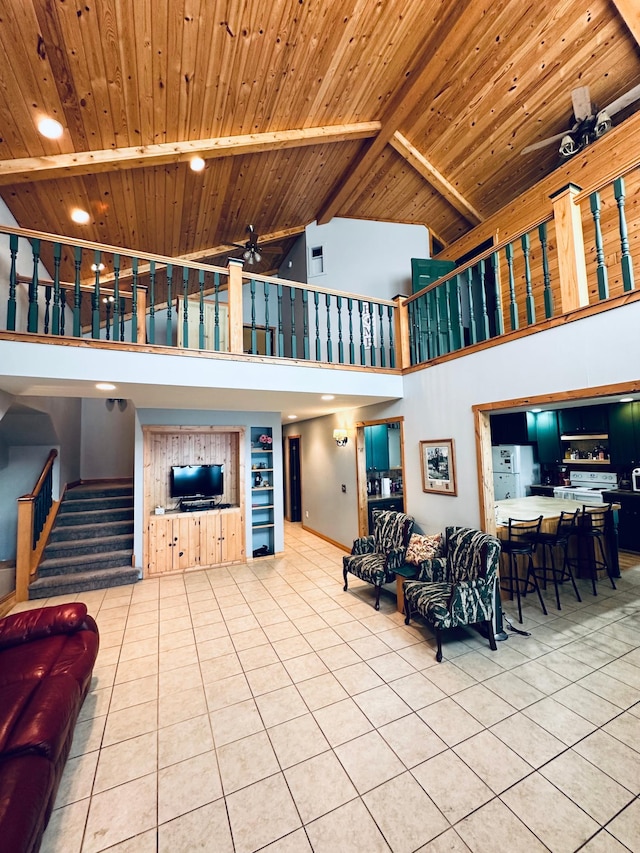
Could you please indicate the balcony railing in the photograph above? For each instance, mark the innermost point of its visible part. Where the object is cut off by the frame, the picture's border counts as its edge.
(73, 289)
(578, 254)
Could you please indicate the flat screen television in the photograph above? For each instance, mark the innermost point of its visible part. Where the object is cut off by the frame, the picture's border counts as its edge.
(196, 481)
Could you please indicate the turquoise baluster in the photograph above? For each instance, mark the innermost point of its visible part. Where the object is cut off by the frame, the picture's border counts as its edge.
(32, 315)
(601, 269)
(546, 275)
(254, 334)
(473, 331)
(625, 258)
(340, 341)
(47, 308)
(95, 299)
(352, 349)
(201, 341)
(13, 281)
(169, 332)
(152, 302)
(513, 305)
(372, 320)
(134, 301)
(458, 329)
(77, 293)
(495, 263)
(267, 330)
(280, 324)
(57, 256)
(117, 302)
(305, 323)
(327, 299)
(392, 345)
(383, 354)
(363, 359)
(216, 313)
(525, 241)
(294, 339)
(316, 302)
(185, 307)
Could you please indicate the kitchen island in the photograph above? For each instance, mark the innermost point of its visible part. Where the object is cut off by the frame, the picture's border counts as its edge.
(550, 509)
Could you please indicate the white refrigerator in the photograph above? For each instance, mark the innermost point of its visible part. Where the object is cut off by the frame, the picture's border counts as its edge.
(513, 470)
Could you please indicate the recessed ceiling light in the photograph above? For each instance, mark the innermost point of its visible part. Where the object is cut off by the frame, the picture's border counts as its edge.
(327, 397)
(80, 216)
(626, 399)
(50, 128)
(292, 417)
(196, 164)
(536, 411)
(105, 386)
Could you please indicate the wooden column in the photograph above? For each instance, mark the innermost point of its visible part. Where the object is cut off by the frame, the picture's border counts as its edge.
(24, 548)
(235, 305)
(403, 352)
(142, 316)
(572, 267)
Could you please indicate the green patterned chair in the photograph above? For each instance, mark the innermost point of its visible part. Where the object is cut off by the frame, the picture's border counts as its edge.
(458, 588)
(375, 558)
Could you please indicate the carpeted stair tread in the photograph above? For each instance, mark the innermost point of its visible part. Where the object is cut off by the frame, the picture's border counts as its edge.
(82, 582)
(84, 562)
(98, 544)
(71, 506)
(90, 531)
(93, 491)
(94, 516)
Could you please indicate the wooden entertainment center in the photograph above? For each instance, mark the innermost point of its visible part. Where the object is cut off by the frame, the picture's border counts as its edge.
(177, 541)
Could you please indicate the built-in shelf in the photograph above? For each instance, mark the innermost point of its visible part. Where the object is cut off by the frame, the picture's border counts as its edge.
(586, 462)
(262, 506)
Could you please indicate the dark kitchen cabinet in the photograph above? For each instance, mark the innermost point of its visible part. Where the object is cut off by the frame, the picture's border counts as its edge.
(548, 434)
(584, 420)
(624, 433)
(628, 519)
(376, 445)
(513, 428)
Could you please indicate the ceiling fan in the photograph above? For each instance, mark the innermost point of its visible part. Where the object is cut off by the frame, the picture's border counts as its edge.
(589, 123)
(253, 252)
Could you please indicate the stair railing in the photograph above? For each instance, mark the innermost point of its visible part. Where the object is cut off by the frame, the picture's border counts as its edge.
(36, 514)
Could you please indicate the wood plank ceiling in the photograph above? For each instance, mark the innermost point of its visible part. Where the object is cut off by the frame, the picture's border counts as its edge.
(411, 111)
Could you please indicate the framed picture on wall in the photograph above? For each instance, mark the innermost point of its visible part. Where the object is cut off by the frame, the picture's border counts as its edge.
(438, 466)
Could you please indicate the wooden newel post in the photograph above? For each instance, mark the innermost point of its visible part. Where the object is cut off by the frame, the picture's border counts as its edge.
(141, 319)
(572, 266)
(403, 350)
(235, 305)
(24, 547)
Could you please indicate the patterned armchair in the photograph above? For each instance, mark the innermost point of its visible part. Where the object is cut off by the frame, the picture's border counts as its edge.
(457, 589)
(375, 558)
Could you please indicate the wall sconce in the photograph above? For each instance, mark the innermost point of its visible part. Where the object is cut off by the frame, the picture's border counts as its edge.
(341, 437)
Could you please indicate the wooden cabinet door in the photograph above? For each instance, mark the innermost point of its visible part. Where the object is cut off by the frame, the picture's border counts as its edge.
(210, 539)
(186, 541)
(231, 536)
(160, 544)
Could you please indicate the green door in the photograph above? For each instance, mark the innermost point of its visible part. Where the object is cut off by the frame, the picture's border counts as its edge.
(622, 432)
(549, 447)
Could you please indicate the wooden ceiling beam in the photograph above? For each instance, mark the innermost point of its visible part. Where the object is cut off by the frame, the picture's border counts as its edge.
(454, 17)
(629, 11)
(29, 169)
(429, 172)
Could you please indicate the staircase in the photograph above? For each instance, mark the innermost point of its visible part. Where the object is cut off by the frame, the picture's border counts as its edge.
(91, 544)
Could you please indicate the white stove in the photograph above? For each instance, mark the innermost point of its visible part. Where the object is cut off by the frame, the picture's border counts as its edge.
(587, 487)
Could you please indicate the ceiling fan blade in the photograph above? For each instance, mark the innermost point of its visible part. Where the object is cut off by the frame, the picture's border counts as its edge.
(581, 100)
(623, 101)
(544, 142)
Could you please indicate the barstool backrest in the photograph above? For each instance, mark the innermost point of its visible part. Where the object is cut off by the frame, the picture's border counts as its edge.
(524, 529)
(566, 523)
(597, 517)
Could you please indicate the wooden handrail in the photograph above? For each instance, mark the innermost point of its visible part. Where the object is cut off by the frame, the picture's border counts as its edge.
(48, 465)
(28, 554)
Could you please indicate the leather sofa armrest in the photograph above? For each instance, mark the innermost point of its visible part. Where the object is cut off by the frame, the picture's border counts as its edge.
(44, 622)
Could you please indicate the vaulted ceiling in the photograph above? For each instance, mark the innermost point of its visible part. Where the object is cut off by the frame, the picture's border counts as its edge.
(413, 111)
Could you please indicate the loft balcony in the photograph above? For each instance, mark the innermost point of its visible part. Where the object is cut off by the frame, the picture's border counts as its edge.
(561, 260)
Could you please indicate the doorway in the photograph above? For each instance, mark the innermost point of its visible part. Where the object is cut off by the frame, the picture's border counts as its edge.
(293, 498)
(379, 468)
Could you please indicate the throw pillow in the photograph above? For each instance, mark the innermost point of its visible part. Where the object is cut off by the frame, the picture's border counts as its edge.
(423, 548)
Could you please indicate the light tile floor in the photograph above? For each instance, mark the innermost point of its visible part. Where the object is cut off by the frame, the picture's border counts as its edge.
(260, 707)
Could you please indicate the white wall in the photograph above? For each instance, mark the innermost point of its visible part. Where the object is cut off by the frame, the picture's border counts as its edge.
(362, 256)
(106, 447)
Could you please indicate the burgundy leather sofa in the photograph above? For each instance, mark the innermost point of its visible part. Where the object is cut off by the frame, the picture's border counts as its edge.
(46, 660)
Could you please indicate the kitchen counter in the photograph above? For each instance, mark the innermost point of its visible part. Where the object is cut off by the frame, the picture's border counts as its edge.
(373, 498)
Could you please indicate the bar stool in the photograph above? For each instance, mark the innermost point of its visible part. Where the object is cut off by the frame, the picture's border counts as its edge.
(592, 527)
(559, 539)
(521, 542)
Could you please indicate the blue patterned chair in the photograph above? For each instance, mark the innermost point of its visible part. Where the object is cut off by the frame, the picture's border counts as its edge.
(457, 589)
(375, 558)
